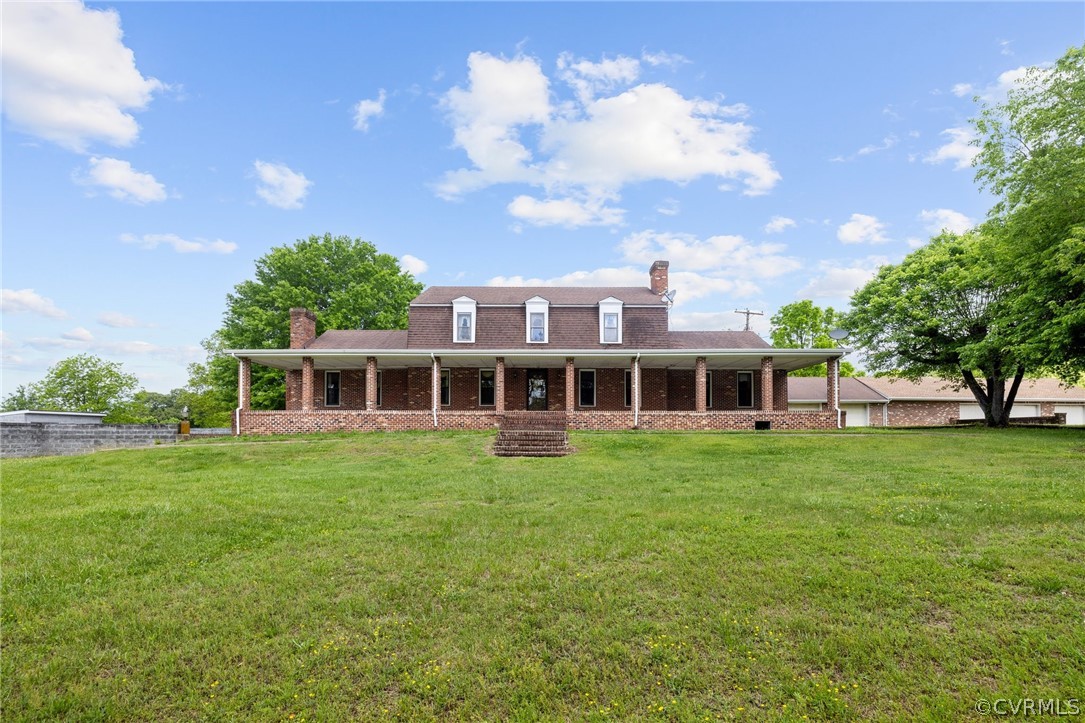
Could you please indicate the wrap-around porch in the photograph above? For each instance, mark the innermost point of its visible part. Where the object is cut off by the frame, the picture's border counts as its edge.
(362, 390)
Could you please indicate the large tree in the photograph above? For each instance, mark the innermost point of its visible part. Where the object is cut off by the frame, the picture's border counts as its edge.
(944, 311)
(1032, 156)
(347, 282)
(81, 383)
(805, 325)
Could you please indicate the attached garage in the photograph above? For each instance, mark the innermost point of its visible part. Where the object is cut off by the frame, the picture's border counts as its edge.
(973, 411)
(1075, 413)
(858, 414)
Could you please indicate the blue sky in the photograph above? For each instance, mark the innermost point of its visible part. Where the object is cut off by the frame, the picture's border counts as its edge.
(772, 152)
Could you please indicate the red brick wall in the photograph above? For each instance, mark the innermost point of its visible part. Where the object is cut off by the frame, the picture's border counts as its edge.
(333, 420)
(918, 414)
(683, 421)
(681, 394)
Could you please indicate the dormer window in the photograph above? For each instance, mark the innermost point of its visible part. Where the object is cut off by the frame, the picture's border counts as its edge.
(538, 320)
(463, 320)
(610, 321)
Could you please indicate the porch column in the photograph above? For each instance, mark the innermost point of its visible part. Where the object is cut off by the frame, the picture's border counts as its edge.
(499, 385)
(244, 383)
(370, 383)
(766, 384)
(832, 387)
(306, 383)
(570, 385)
(700, 379)
(435, 387)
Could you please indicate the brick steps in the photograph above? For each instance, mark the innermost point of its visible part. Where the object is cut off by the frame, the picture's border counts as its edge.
(532, 434)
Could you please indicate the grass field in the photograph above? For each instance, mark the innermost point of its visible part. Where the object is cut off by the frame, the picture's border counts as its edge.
(649, 576)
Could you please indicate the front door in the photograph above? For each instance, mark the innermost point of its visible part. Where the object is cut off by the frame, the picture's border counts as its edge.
(536, 390)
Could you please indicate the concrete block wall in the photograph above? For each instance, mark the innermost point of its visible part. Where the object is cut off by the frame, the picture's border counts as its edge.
(21, 439)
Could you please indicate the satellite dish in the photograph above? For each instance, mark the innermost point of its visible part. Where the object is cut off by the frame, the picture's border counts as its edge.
(669, 295)
(838, 334)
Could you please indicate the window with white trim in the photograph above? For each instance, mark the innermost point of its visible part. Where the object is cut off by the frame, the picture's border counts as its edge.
(586, 385)
(332, 388)
(380, 383)
(745, 390)
(446, 388)
(538, 320)
(708, 389)
(463, 320)
(487, 387)
(610, 321)
(628, 387)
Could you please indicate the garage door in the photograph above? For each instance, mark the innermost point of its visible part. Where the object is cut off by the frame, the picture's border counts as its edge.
(1075, 413)
(973, 411)
(857, 415)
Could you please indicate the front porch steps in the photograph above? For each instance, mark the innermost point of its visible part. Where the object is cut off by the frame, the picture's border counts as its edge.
(532, 434)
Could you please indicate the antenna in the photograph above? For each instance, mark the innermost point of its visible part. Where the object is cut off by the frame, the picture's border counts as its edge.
(669, 296)
(748, 314)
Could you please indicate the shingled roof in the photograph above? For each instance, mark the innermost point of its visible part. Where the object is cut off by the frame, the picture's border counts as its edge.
(716, 340)
(579, 295)
(360, 339)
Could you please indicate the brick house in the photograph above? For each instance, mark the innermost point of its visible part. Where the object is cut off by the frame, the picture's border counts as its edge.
(598, 357)
(890, 402)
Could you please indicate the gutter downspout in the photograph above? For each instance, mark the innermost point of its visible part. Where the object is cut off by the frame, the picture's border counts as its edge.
(434, 387)
(636, 391)
(240, 391)
(836, 384)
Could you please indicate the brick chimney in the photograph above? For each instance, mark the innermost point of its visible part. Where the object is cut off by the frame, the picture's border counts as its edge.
(658, 275)
(302, 328)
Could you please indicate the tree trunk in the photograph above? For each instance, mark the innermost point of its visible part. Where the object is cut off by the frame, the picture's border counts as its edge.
(994, 401)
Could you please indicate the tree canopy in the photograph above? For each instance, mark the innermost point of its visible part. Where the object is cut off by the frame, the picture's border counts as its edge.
(1032, 156)
(804, 325)
(942, 311)
(347, 282)
(81, 383)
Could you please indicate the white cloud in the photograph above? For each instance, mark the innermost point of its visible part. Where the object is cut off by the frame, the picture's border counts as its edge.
(1004, 46)
(720, 320)
(669, 207)
(178, 244)
(945, 219)
(888, 142)
(68, 77)
(15, 301)
(120, 321)
(778, 224)
(733, 256)
(862, 229)
(958, 149)
(914, 243)
(78, 334)
(413, 264)
(566, 212)
(124, 182)
(838, 280)
(670, 60)
(588, 147)
(281, 187)
(962, 89)
(587, 78)
(366, 109)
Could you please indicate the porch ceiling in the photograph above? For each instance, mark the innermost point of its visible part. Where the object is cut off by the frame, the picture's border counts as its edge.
(742, 359)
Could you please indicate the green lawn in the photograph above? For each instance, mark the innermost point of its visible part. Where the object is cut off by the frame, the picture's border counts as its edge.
(649, 576)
